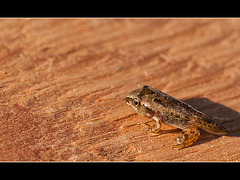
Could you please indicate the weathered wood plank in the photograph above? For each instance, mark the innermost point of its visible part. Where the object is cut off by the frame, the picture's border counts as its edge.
(64, 81)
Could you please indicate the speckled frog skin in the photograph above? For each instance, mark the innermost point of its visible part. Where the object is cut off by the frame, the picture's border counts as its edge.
(152, 103)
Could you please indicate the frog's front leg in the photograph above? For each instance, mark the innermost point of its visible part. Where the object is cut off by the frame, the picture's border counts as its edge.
(153, 129)
(187, 137)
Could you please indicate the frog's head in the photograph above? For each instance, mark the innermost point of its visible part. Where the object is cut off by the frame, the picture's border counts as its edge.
(138, 100)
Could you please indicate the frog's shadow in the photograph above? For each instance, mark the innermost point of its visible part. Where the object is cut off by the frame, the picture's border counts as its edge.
(227, 117)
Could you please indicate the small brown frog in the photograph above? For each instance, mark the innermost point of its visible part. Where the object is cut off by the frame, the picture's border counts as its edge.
(152, 103)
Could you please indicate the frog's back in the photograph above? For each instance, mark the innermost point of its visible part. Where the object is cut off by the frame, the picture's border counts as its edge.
(180, 114)
(209, 125)
(202, 121)
(199, 119)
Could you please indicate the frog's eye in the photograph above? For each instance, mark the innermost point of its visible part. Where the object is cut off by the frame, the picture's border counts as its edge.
(136, 102)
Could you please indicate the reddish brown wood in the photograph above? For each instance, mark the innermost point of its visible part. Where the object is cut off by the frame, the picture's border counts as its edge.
(63, 84)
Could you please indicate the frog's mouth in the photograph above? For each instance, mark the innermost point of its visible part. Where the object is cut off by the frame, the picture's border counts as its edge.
(128, 100)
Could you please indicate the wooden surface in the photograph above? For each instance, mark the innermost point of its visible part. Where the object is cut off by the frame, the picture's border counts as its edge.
(64, 81)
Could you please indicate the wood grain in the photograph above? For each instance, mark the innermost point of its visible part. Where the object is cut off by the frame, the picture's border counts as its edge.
(64, 81)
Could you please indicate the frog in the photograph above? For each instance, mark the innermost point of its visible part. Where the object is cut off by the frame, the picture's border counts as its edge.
(163, 108)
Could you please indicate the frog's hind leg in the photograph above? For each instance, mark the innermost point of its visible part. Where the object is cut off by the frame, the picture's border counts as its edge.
(187, 137)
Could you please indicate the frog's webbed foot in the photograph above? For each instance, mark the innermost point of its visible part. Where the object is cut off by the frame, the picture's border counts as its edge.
(153, 129)
(187, 137)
